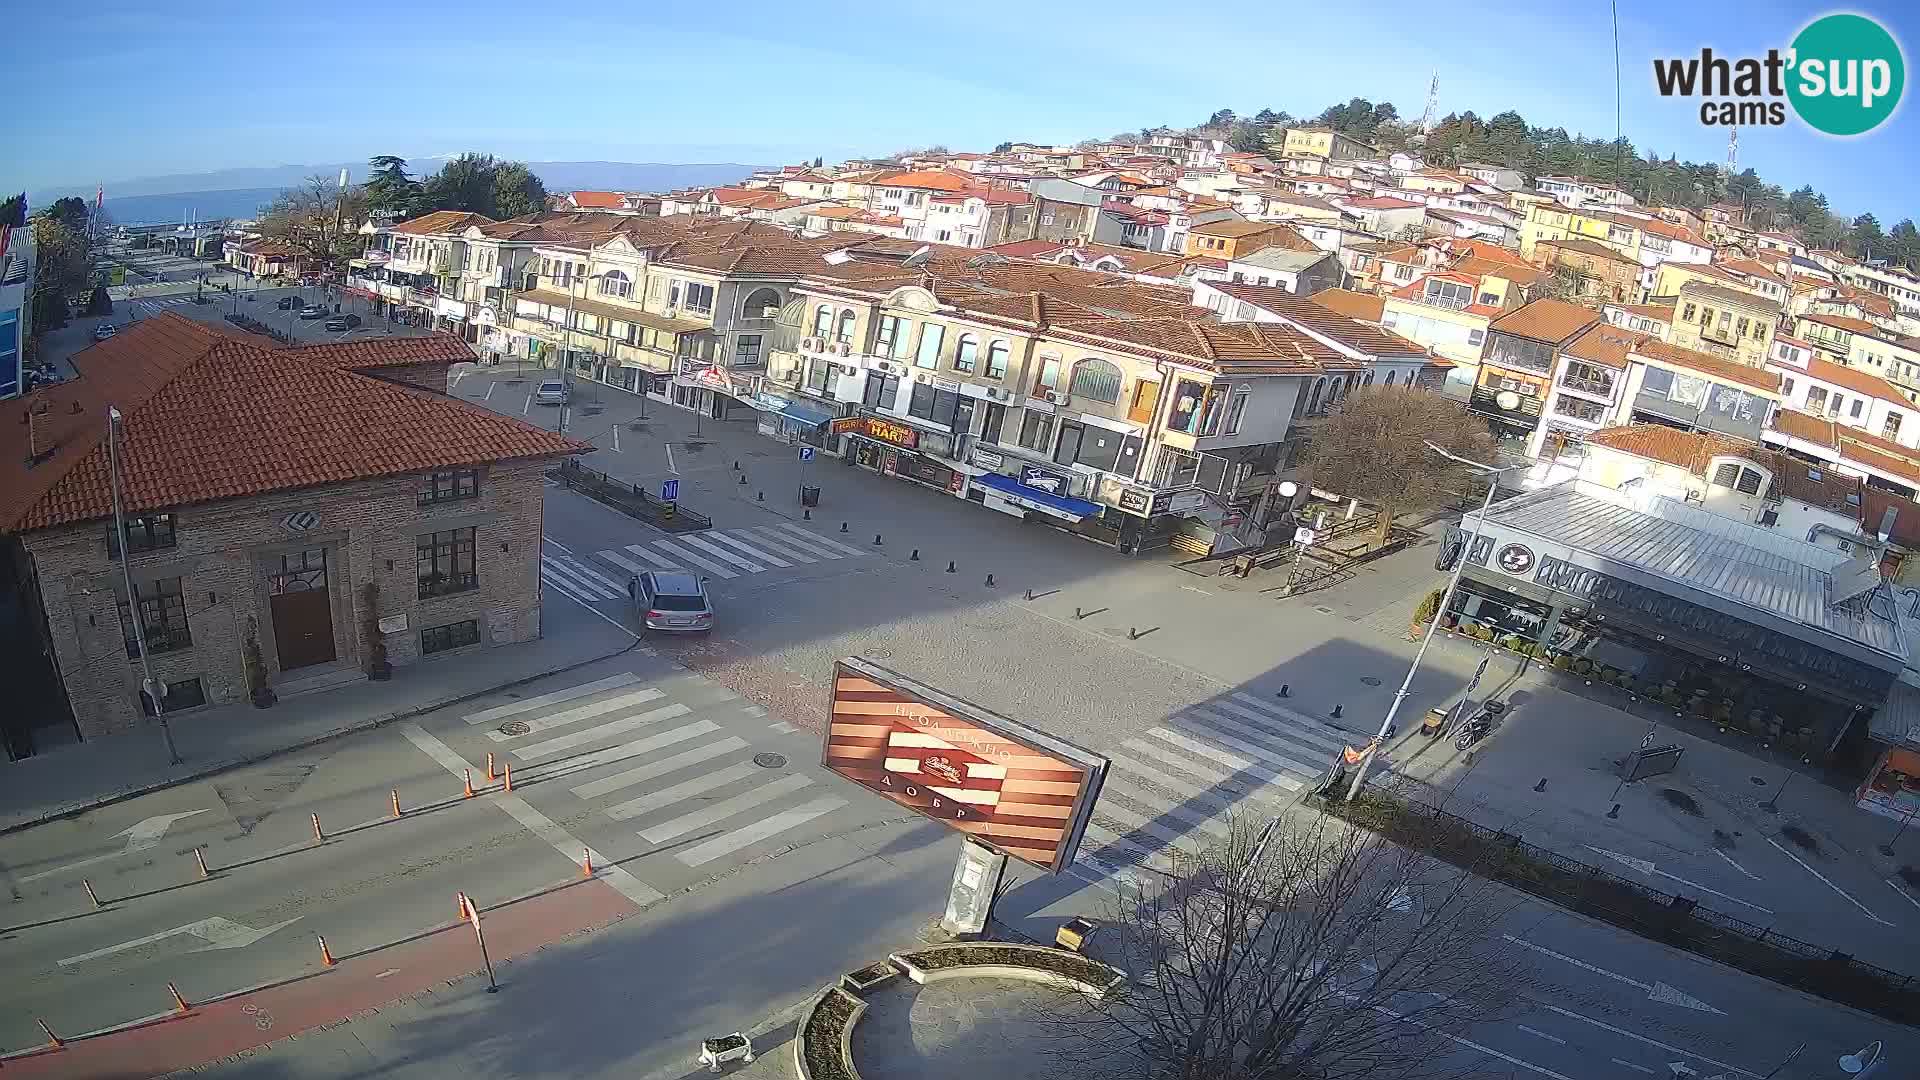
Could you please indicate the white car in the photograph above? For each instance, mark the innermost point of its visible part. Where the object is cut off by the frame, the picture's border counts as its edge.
(552, 392)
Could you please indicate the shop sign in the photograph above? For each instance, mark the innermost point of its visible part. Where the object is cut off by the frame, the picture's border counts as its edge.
(887, 431)
(452, 309)
(1040, 479)
(988, 459)
(394, 624)
(1136, 501)
(845, 425)
(1516, 559)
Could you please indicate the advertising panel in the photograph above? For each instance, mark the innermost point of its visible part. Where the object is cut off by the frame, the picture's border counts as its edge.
(1018, 790)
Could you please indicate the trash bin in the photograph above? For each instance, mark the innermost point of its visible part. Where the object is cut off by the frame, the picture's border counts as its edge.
(809, 496)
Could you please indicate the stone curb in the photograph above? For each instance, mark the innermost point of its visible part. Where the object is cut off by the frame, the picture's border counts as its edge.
(228, 764)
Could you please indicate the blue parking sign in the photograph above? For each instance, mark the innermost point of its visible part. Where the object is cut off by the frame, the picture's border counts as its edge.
(806, 453)
(670, 489)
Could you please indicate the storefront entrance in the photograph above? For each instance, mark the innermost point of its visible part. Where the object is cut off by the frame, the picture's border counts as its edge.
(302, 610)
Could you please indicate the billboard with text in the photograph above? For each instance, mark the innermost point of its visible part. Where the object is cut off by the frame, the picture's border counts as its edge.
(1016, 789)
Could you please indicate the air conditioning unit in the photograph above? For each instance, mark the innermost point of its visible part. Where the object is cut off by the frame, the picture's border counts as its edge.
(1057, 398)
(846, 349)
(810, 344)
(673, 313)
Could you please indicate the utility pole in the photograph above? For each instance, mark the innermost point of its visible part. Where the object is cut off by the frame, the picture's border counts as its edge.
(148, 687)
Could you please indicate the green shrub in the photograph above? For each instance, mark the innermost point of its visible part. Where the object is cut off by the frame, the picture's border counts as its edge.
(1583, 666)
(1561, 662)
(1428, 607)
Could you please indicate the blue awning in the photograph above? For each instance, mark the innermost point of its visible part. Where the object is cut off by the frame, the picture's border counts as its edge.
(1034, 499)
(806, 414)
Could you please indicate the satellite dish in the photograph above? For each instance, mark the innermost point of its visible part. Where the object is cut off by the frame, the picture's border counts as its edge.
(1507, 400)
(919, 257)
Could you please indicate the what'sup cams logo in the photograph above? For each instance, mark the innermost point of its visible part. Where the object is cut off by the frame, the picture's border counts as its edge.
(1842, 75)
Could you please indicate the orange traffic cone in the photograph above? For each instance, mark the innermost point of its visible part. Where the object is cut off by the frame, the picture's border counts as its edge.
(179, 1003)
(326, 954)
(586, 862)
(468, 794)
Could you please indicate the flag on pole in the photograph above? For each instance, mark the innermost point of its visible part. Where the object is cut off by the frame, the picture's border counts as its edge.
(343, 178)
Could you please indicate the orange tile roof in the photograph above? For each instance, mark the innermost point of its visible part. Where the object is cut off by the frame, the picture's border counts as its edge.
(1842, 322)
(932, 180)
(1234, 227)
(1660, 312)
(1546, 320)
(1584, 246)
(1354, 305)
(441, 221)
(1806, 427)
(1604, 343)
(600, 200)
(1348, 331)
(211, 414)
(1860, 382)
(1724, 370)
(1874, 505)
(1694, 451)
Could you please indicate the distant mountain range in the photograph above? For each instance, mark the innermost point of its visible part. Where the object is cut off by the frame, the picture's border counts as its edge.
(239, 193)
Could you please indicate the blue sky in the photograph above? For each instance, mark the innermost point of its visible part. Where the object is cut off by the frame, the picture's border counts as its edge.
(140, 88)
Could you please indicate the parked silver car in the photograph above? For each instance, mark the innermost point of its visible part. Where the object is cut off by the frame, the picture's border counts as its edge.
(670, 600)
(551, 392)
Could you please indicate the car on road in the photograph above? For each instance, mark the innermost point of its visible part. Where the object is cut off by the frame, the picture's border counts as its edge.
(672, 600)
(552, 392)
(287, 303)
(104, 331)
(343, 322)
(313, 311)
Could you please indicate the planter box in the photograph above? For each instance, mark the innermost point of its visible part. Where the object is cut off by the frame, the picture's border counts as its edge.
(824, 1048)
(859, 982)
(1001, 960)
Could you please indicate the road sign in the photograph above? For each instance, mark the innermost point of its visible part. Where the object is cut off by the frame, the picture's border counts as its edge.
(1303, 536)
(670, 489)
(806, 453)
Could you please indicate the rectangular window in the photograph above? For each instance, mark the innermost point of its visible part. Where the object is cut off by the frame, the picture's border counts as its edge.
(1049, 375)
(453, 485)
(145, 532)
(1786, 387)
(1578, 408)
(990, 429)
(1036, 431)
(928, 355)
(174, 696)
(881, 391)
(1749, 482)
(1858, 404)
(1657, 381)
(1726, 475)
(891, 329)
(1816, 398)
(997, 360)
(1892, 426)
(1072, 435)
(746, 350)
(1237, 409)
(451, 636)
(1146, 397)
(163, 618)
(966, 354)
(699, 297)
(446, 562)
(817, 374)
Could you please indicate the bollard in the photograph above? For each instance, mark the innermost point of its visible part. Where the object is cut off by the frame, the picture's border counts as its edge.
(990, 583)
(876, 539)
(915, 557)
(1337, 709)
(843, 526)
(1133, 633)
(179, 1003)
(1029, 592)
(762, 497)
(1285, 690)
(743, 479)
(53, 1040)
(466, 907)
(1542, 785)
(950, 567)
(490, 776)
(468, 794)
(736, 466)
(88, 885)
(326, 954)
(586, 862)
(806, 515)
(396, 802)
(509, 783)
(200, 857)
(318, 836)
(1615, 812)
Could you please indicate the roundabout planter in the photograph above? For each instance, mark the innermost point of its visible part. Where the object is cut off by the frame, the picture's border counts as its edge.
(824, 1050)
(1003, 960)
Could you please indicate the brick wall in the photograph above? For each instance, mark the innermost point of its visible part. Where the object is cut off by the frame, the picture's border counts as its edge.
(225, 553)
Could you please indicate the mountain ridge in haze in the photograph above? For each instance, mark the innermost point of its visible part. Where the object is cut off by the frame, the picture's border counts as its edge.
(559, 176)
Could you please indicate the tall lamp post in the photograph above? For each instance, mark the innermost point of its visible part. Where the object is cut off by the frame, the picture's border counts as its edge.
(1492, 473)
(148, 688)
(566, 376)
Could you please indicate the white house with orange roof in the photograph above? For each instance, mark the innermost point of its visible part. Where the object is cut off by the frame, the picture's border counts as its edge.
(1848, 396)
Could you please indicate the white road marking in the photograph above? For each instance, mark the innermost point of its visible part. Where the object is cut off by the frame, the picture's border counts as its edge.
(1823, 880)
(217, 932)
(616, 438)
(528, 404)
(782, 727)
(1631, 1065)
(559, 573)
(667, 796)
(569, 589)
(1195, 588)
(537, 823)
(1537, 1033)
(579, 568)
(1259, 752)
(735, 542)
(670, 467)
(719, 552)
(1277, 738)
(623, 562)
(140, 836)
(726, 808)
(561, 743)
(676, 550)
(1646, 866)
(1571, 1015)
(1661, 992)
(488, 396)
(749, 834)
(564, 548)
(1907, 896)
(1736, 865)
(817, 540)
(673, 764)
(389, 971)
(617, 703)
(656, 560)
(783, 545)
(501, 712)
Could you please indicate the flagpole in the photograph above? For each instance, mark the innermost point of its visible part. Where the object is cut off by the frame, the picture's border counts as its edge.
(147, 686)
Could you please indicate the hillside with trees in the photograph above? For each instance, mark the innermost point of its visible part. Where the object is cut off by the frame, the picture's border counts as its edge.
(1509, 141)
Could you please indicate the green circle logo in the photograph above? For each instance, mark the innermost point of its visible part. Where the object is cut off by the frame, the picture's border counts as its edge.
(1847, 74)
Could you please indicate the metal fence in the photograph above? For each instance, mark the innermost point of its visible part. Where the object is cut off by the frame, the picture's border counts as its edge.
(1674, 920)
(630, 499)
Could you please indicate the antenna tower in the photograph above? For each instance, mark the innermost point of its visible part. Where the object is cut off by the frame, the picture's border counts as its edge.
(1432, 116)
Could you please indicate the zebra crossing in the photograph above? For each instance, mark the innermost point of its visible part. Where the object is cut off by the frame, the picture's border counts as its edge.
(719, 553)
(679, 778)
(1173, 785)
(165, 301)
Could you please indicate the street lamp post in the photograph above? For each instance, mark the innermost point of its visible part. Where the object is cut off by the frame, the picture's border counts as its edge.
(1492, 473)
(566, 375)
(148, 688)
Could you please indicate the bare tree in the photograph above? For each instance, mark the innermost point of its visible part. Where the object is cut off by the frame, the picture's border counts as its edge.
(1373, 448)
(317, 217)
(1324, 951)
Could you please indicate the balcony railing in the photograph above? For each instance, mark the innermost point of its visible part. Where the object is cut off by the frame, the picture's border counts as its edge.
(1596, 387)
